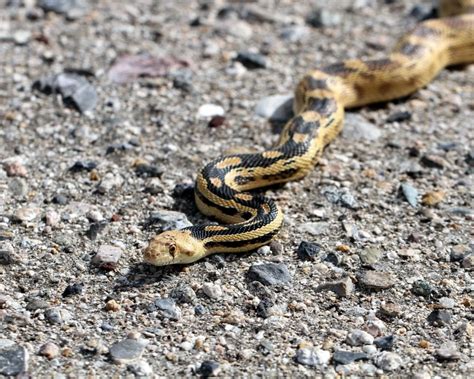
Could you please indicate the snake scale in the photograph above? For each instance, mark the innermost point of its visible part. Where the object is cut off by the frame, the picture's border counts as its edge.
(223, 187)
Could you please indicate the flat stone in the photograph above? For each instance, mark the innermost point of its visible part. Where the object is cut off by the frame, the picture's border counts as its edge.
(141, 368)
(27, 214)
(167, 308)
(210, 110)
(251, 60)
(385, 342)
(388, 361)
(440, 317)
(359, 337)
(342, 288)
(13, 358)
(410, 193)
(213, 291)
(107, 257)
(346, 357)
(448, 352)
(313, 357)
(276, 108)
(269, 274)
(370, 256)
(7, 253)
(18, 187)
(109, 182)
(294, 33)
(356, 127)
(164, 220)
(308, 250)
(127, 350)
(313, 228)
(209, 368)
(376, 280)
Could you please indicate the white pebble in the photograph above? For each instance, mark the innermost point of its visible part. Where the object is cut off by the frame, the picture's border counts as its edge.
(210, 110)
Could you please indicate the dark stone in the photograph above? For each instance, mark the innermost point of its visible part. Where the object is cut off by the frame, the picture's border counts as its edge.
(183, 190)
(333, 258)
(73, 289)
(60, 199)
(150, 171)
(59, 6)
(385, 342)
(269, 274)
(183, 294)
(13, 359)
(263, 307)
(308, 251)
(95, 229)
(421, 288)
(251, 60)
(346, 357)
(432, 161)
(399, 116)
(440, 317)
(116, 147)
(423, 12)
(200, 310)
(216, 121)
(83, 166)
(208, 368)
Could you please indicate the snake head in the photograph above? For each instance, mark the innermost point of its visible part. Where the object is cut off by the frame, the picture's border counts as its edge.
(173, 247)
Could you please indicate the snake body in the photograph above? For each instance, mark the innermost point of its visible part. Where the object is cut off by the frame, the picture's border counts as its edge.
(223, 186)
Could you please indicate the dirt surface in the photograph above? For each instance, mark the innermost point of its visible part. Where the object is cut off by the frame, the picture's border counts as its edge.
(388, 212)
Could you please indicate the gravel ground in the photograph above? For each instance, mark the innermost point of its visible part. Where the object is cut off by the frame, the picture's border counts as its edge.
(371, 274)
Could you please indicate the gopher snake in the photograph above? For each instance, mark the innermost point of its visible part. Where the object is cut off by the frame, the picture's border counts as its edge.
(223, 185)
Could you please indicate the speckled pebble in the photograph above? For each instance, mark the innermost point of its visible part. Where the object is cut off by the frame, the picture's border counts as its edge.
(359, 338)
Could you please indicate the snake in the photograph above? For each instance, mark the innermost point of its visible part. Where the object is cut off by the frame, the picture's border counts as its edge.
(225, 187)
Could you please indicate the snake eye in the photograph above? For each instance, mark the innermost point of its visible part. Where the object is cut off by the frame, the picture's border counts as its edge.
(172, 250)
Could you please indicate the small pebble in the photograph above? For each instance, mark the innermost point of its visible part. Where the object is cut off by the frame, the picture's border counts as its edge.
(323, 17)
(356, 127)
(275, 108)
(183, 294)
(167, 308)
(209, 368)
(313, 357)
(342, 288)
(468, 262)
(440, 317)
(127, 350)
(376, 280)
(141, 368)
(14, 358)
(385, 343)
(27, 214)
(359, 337)
(210, 110)
(269, 274)
(251, 60)
(448, 352)
(410, 193)
(346, 357)
(389, 361)
(399, 116)
(421, 288)
(212, 291)
(15, 169)
(49, 350)
(308, 251)
(164, 220)
(112, 306)
(370, 256)
(216, 121)
(433, 198)
(107, 257)
(73, 289)
(7, 253)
